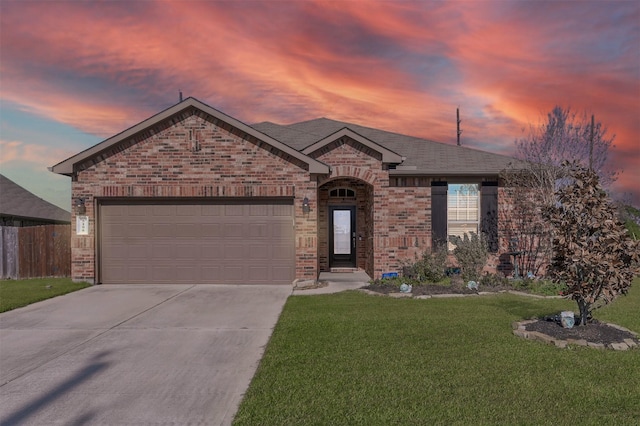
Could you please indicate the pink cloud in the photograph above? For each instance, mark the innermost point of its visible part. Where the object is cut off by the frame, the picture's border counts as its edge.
(401, 66)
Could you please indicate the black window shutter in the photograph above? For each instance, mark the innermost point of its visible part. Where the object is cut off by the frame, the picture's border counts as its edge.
(438, 214)
(489, 214)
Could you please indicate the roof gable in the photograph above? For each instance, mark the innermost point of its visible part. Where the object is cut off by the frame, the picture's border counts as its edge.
(388, 156)
(148, 127)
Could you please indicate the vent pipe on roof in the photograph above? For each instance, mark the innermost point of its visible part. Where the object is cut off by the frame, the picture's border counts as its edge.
(180, 94)
(458, 121)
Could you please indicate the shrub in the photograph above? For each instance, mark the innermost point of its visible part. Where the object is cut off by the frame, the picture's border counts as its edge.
(471, 252)
(430, 267)
(494, 280)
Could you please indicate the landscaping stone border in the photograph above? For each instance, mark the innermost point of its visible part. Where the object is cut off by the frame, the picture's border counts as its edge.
(519, 329)
(440, 296)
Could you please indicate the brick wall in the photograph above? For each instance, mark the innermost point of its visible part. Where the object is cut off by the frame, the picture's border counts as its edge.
(192, 157)
(195, 157)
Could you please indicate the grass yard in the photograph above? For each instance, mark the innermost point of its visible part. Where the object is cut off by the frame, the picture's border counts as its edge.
(18, 293)
(355, 359)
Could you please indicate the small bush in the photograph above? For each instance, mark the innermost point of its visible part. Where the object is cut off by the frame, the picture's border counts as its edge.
(494, 280)
(471, 252)
(542, 287)
(431, 266)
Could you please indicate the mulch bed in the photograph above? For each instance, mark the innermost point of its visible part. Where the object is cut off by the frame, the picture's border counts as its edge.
(427, 289)
(594, 331)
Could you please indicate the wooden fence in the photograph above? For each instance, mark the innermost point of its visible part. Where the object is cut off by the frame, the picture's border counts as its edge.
(35, 251)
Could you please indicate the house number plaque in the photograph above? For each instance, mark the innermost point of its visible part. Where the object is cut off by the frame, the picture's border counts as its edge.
(82, 225)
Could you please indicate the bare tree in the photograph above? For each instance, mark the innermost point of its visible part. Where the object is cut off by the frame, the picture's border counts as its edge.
(531, 183)
(593, 253)
(567, 136)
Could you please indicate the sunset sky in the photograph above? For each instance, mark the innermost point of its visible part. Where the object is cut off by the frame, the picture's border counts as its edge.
(73, 73)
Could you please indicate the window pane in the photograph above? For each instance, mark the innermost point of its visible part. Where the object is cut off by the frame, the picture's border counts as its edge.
(341, 232)
(463, 209)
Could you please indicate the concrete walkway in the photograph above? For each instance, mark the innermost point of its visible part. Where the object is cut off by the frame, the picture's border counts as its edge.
(144, 355)
(337, 282)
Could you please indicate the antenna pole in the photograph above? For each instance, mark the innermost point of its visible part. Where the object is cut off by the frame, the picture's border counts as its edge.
(458, 121)
(591, 143)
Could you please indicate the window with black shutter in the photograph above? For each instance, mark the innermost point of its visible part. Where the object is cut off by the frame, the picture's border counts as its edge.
(489, 214)
(438, 214)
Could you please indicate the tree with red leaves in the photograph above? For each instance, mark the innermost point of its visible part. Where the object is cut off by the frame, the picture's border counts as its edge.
(593, 253)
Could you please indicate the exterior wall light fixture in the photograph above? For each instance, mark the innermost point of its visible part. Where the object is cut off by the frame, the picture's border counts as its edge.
(81, 209)
(305, 205)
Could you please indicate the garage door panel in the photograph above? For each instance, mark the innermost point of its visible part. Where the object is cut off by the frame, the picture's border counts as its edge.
(258, 230)
(280, 274)
(188, 273)
(259, 251)
(165, 273)
(281, 230)
(258, 273)
(163, 210)
(233, 230)
(242, 242)
(138, 252)
(188, 230)
(235, 252)
(281, 251)
(187, 251)
(282, 210)
(137, 230)
(211, 229)
(116, 229)
(260, 210)
(163, 252)
(186, 211)
(117, 252)
(136, 215)
(162, 230)
(231, 274)
(138, 273)
(234, 210)
(211, 252)
(212, 273)
(212, 210)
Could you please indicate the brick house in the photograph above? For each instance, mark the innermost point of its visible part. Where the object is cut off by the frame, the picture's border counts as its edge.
(194, 195)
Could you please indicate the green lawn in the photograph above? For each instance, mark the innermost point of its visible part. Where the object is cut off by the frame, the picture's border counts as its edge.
(17, 293)
(351, 359)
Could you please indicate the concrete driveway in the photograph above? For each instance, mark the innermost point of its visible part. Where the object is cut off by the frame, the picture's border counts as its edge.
(143, 354)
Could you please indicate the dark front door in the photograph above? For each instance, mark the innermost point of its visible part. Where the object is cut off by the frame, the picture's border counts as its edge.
(342, 236)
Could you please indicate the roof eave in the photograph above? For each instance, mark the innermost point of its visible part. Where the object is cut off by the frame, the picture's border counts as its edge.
(443, 173)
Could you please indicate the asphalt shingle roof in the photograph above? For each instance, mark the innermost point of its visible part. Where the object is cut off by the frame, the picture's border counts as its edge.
(422, 155)
(18, 202)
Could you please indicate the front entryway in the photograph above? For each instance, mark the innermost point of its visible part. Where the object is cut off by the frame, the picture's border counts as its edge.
(342, 236)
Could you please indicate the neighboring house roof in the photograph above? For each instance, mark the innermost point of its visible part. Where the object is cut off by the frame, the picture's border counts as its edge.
(17, 202)
(69, 166)
(421, 156)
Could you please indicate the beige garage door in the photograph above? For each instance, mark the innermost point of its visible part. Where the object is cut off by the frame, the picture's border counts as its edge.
(239, 242)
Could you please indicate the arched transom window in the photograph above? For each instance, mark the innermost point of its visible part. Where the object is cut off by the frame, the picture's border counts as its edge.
(342, 193)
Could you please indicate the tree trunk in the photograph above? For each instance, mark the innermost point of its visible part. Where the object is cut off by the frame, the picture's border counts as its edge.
(583, 307)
